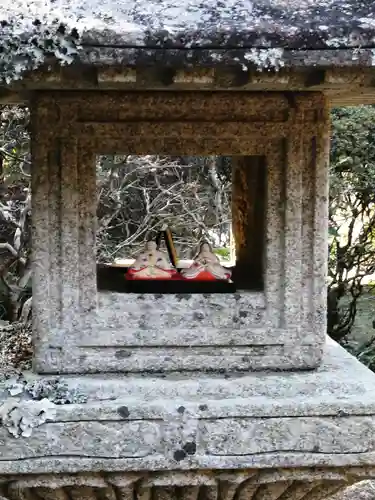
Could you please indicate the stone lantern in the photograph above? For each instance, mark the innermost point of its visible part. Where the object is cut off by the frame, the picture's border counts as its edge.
(276, 317)
(202, 395)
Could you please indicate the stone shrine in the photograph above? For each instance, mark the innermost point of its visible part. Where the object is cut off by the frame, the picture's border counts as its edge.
(276, 321)
(226, 396)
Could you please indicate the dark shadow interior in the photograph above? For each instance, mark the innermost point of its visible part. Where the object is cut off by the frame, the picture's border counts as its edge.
(249, 205)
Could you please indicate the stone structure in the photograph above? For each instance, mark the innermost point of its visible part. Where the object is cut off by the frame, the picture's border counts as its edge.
(235, 396)
(260, 436)
(280, 326)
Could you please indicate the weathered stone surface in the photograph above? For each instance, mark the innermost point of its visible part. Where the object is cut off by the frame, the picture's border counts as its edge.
(281, 327)
(261, 34)
(364, 490)
(271, 484)
(262, 23)
(342, 85)
(324, 418)
(241, 58)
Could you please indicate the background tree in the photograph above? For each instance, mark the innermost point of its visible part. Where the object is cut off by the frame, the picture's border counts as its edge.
(15, 211)
(351, 214)
(137, 195)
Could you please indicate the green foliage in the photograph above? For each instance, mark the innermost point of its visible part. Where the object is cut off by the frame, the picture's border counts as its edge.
(365, 352)
(223, 253)
(353, 155)
(351, 214)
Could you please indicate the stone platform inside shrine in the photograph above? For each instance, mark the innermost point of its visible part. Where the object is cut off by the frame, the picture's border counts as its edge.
(303, 426)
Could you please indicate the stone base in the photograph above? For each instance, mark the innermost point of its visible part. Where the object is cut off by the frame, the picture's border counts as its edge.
(255, 484)
(364, 490)
(281, 435)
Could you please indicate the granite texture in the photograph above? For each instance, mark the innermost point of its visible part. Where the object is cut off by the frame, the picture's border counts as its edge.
(282, 327)
(323, 419)
(245, 485)
(364, 490)
(314, 71)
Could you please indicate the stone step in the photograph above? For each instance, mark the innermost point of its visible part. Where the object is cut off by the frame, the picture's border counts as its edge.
(322, 418)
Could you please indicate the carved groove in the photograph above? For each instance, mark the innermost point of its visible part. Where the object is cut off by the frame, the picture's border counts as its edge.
(250, 485)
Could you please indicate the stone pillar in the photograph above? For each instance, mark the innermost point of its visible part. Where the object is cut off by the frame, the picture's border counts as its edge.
(64, 232)
(286, 192)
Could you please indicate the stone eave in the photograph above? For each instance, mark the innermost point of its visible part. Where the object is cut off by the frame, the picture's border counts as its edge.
(345, 81)
(292, 24)
(272, 33)
(246, 57)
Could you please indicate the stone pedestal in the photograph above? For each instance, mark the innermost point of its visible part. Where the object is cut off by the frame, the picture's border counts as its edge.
(261, 436)
(276, 320)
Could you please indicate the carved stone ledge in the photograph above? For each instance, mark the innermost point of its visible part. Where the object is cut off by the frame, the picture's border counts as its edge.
(267, 436)
(342, 85)
(323, 419)
(262, 484)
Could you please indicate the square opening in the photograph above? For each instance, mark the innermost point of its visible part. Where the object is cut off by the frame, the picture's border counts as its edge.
(217, 199)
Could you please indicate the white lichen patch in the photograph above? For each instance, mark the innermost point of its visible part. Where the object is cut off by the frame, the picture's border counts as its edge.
(37, 389)
(56, 391)
(14, 386)
(21, 417)
(266, 58)
(367, 22)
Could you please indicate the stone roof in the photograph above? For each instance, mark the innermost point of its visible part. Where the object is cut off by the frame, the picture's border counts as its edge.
(70, 28)
(293, 24)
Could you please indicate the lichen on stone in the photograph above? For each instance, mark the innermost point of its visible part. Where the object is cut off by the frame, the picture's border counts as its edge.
(21, 417)
(266, 58)
(38, 389)
(40, 32)
(54, 390)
